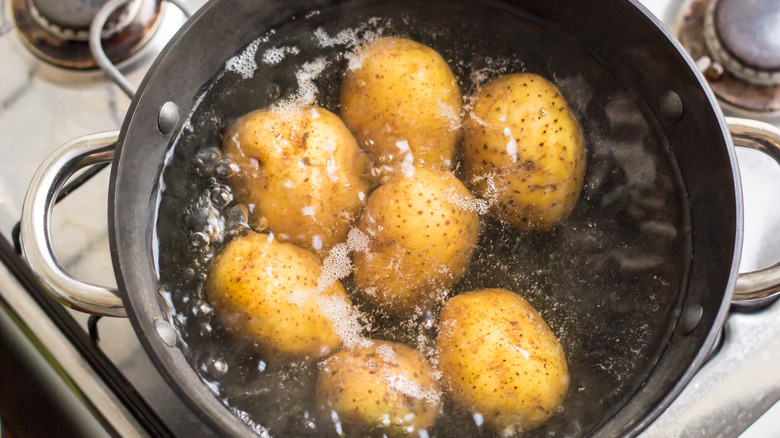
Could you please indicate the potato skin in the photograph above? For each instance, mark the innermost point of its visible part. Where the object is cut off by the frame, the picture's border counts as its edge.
(422, 237)
(267, 290)
(524, 150)
(403, 91)
(384, 382)
(302, 170)
(499, 358)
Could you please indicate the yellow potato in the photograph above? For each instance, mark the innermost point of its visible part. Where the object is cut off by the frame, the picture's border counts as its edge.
(423, 230)
(523, 151)
(302, 170)
(499, 358)
(269, 290)
(383, 389)
(403, 103)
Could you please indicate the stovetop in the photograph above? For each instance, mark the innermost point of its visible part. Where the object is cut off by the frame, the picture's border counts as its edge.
(41, 107)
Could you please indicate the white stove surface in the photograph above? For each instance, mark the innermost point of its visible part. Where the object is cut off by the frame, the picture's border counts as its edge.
(727, 396)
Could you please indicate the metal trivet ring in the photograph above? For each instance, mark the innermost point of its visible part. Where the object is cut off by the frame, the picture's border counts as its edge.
(112, 27)
(722, 55)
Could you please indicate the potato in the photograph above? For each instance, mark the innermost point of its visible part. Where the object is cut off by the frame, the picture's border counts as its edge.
(403, 104)
(383, 389)
(302, 170)
(269, 290)
(423, 231)
(523, 151)
(500, 359)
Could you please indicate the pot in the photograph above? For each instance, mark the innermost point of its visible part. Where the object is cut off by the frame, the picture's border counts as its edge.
(618, 33)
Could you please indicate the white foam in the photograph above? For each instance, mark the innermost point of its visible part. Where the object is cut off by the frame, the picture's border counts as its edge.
(525, 353)
(308, 211)
(407, 166)
(259, 430)
(449, 113)
(275, 55)
(477, 119)
(412, 388)
(345, 37)
(481, 206)
(307, 89)
(352, 40)
(357, 240)
(387, 354)
(511, 148)
(345, 320)
(331, 167)
(402, 146)
(300, 297)
(336, 266)
(244, 63)
(493, 68)
(316, 242)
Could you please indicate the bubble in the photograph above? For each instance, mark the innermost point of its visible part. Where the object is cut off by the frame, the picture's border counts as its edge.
(205, 159)
(201, 308)
(273, 91)
(205, 329)
(225, 167)
(199, 239)
(262, 224)
(188, 274)
(237, 218)
(383, 422)
(221, 196)
(215, 366)
(428, 320)
(203, 217)
(204, 256)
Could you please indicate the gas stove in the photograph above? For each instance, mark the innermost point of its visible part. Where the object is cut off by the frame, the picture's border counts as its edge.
(98, 374)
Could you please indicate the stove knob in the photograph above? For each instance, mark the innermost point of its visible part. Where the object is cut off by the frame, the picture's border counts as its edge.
(744, 37)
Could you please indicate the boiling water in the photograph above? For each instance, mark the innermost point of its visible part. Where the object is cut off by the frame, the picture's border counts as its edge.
(607, 280)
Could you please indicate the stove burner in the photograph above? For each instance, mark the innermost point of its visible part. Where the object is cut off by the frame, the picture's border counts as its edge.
(57, 31)
(737, 46)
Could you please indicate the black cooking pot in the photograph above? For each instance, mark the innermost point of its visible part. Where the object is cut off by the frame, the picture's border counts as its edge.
(619, 33)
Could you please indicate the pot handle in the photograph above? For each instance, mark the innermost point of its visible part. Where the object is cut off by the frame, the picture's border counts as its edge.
(36, 242)
(757, 287)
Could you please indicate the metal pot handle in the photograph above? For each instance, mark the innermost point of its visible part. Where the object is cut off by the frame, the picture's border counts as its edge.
(755, 288)
(36, 224)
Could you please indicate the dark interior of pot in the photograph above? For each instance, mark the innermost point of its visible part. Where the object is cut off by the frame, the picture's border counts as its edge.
(650, 237)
